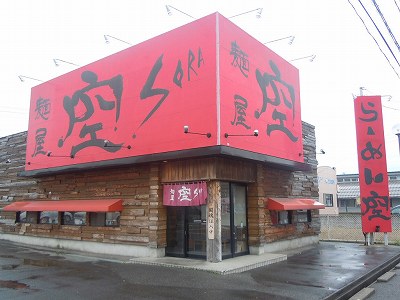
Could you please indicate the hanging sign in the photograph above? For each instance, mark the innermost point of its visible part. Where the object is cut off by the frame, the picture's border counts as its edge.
(185, 194)
(211, 221)
(374, 190)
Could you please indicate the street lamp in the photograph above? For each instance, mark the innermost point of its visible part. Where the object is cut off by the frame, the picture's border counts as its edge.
(396, 131)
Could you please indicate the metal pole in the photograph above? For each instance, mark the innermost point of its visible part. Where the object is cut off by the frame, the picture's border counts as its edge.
(329, 227)
(398, 137)
(386, 239)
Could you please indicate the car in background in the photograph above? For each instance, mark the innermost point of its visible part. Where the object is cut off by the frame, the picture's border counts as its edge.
(395, 210)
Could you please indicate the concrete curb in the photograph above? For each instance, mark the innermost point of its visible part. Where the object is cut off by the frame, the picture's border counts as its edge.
(225, 267)
(386, 277)
(364, 281)
(363, 294)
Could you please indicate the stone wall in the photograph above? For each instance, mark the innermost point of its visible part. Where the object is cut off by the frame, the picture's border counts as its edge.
(272, 182)
(12, 160)
(143, 218)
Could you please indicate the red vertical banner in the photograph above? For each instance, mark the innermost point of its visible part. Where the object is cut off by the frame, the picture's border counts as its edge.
(373, 177)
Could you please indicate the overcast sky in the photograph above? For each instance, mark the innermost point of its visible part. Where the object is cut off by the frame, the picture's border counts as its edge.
(34, 32)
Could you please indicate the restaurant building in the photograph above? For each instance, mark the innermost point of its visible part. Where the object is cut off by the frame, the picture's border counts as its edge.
(190, 144)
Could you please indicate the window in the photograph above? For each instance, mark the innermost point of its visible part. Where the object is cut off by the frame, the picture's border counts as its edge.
(328, 200)
(281, 217)
(112, 218)
(80, 218)
(48, 217)
(105, 219)
(303, 216)
(74, 218)
(27, 217)
(284, 217)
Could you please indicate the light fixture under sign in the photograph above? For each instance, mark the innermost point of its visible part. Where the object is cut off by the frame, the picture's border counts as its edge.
(186, 130)
(50, 154)
(107, 144)
(255, 133)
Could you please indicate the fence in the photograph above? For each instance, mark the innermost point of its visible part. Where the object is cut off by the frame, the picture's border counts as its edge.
(347, 227)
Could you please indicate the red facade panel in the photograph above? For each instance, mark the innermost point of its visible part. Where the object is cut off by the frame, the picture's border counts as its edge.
(259, 91)
(137, 102)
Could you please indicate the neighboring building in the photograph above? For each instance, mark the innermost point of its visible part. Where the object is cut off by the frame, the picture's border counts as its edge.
(190, 144)
(349, 191)
(327, 185)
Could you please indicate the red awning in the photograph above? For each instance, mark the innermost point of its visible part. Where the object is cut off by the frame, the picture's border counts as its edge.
(66, 205)
(292, 204)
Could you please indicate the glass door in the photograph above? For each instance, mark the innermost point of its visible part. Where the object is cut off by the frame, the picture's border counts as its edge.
(187, 226)
(239, 217)
(196, 231)
(186, 231)
(234, 230)
(226, 234)
(175, 231)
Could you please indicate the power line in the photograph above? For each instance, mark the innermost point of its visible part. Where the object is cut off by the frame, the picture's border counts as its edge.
(14, 112)
(386, 24)
(380, 33)
(387, 59)
(397, 5)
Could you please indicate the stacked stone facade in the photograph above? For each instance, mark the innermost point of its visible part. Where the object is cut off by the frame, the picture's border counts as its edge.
(144, 218)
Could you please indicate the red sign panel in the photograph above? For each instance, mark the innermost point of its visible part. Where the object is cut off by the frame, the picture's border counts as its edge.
(185, 194)
(208, 75)
(373, 178)
(135, 102)
(259, 91)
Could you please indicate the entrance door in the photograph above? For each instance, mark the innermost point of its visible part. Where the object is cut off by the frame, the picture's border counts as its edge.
(234, 232)
(186, 231)
(196, 231)
(186, 226)
(176, 231)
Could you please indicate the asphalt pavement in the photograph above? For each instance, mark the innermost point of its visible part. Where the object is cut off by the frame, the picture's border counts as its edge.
(328, 270)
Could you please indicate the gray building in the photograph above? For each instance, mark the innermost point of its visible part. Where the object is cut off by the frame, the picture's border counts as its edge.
(349, 191)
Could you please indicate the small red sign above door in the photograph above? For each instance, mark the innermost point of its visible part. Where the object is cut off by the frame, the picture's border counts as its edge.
(185, 194)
